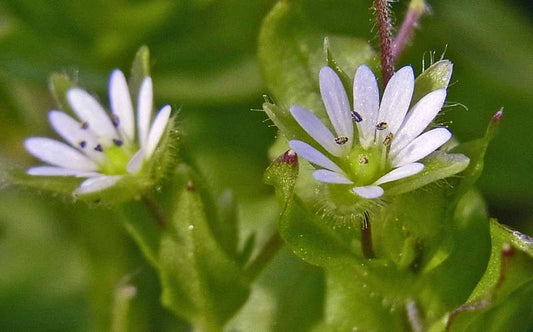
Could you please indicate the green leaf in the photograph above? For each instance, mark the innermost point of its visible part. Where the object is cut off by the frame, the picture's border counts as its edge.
(288, 33)
(200, 282)
(503, 299)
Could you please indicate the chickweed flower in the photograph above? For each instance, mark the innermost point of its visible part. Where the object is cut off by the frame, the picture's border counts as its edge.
(101, 147)
(372, 143)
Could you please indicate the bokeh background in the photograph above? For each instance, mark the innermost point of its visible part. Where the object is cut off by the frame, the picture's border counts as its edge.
(61, 262)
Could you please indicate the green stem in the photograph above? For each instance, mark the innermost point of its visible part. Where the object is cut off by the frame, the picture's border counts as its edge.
(267, 253)
(155, 210)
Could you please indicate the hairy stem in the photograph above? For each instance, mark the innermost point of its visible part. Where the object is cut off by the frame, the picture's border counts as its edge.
(412, 18)
(269, 250)
(385, 39)
(366, 237)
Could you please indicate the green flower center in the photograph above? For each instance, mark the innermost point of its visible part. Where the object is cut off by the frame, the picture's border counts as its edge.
(117, 159)
(362, 166)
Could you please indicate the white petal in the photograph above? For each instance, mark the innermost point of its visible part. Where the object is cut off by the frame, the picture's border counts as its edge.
(317, 130)
(71, 131)
(323, 175)
(120, 100)
(366, 103)
(158, 127)
(97, 184)
(396, 99)
(369, 192)
(144, 110)
(400, 173)
(313, 155)
(59, 154)
(59, 171)
(422, 146)
(136, 162)
(89, 110)
(418, 119)
(337, 104)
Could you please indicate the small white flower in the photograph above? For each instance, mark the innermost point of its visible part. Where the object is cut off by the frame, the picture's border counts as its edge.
(390, 138)
(101, 147)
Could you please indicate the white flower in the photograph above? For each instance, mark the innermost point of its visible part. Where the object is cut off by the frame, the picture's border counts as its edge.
(390, 138)
(101, 147)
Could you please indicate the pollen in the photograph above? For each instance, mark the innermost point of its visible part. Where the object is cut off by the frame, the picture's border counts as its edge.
(341, 140)
(382, 126)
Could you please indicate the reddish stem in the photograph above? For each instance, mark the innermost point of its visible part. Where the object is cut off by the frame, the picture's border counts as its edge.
(385, 39)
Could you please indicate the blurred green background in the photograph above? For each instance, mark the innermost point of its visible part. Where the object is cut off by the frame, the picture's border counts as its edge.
(61, 262)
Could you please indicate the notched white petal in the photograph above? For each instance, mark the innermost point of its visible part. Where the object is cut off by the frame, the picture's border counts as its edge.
(59, 171)
(400, 173)
(89, 110)
(313, 155)
(316, 129)
(96, 184)
(58, 154)
(136, 162)
(396, 99)
(418, 119)
(366, 103)
(326, 176)
(144, 110)
(422, 146)
(336, 103)
(121, 106)
(157, 130)
(369, 192)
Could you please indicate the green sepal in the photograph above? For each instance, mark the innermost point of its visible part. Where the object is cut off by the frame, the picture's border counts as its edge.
(436, 77)
(438, 165)
(503, 298)
(200, 281)
(140, 69)
(16, 176)
(59, 84)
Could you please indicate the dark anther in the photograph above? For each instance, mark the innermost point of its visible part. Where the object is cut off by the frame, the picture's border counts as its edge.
(363, 159)
(82, 144)
(388, 139)
(99, 148)
(115, 120)
(356, 117)
(382, 126)
(117, 142)
(341, 140)
(85, 125)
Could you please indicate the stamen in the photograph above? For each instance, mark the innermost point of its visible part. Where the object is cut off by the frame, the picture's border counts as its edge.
(363, 159)
(83, 144)
(356, 117)
(388, 140)
(382, 126)
(99, 148)
(117, 142)
(341, 140)
(85, 125)
(115, 120)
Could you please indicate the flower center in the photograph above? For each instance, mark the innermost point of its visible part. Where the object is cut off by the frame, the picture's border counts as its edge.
(117, 158)
(363, 166)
